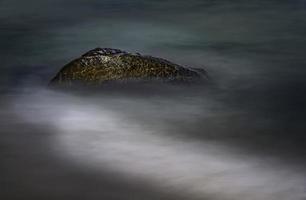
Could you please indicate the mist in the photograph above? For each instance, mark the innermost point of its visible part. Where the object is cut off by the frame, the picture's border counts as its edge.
(242, 136)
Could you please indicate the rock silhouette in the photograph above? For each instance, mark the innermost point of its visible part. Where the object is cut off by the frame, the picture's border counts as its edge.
(105, 65)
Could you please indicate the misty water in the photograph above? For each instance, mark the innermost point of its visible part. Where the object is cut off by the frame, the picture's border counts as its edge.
(242, 136)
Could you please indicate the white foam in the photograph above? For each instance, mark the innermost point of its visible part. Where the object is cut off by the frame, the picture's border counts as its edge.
(104, 139)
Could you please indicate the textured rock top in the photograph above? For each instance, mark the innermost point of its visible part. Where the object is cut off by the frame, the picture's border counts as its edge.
(103, 52)
(103, 65)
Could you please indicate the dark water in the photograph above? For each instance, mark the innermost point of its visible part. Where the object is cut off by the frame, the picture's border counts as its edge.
(241, 138)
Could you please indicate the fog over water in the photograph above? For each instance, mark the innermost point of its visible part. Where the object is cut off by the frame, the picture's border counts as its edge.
(240, 137)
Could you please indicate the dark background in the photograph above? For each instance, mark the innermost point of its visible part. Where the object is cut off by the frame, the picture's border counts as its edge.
(254, 51)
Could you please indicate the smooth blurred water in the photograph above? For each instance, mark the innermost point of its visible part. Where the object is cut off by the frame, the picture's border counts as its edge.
(241, 138)
(255, 42)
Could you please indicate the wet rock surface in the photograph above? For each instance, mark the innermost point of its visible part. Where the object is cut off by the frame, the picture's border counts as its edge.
(102, 66)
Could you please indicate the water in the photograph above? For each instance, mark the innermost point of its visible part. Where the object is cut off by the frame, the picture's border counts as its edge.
(241, 138)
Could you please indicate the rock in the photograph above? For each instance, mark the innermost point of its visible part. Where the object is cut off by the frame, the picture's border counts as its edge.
(104, 65)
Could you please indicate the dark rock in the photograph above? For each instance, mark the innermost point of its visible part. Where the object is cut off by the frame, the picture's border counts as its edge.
(104, 65)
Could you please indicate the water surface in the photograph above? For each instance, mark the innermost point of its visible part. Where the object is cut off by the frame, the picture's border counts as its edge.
(241, 138)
